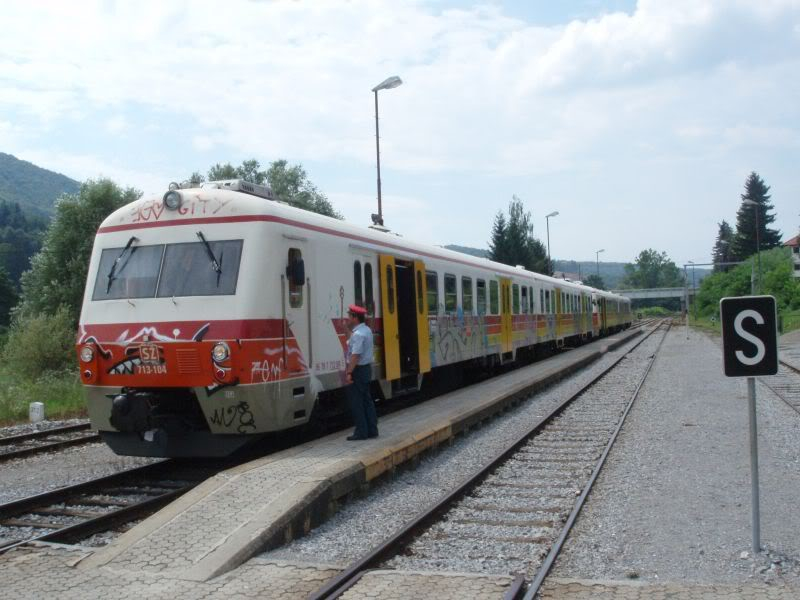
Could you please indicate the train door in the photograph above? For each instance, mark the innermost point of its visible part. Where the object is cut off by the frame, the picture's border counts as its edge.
(406, 341)
(296, 290)
(506, 331)
(603, 315)
(557, 293)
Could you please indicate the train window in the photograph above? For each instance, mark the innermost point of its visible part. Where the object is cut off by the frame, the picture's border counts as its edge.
(494, 305)
(531, 301)
(369, 297)
(515, 296)
(481, 296)
(295, 291)
(135, 276)
(432, 283)
(524, 300)
(390, 288)
(359, 297)
(450, 293)
(420, 299)
(466, 295)
(546, 301)
(541, 301)
(188, 271)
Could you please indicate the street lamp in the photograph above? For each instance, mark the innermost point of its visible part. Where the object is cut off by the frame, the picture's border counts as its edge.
(597, 256)
(694, 294)
(547, 220)
(756, 210)
(386, 84)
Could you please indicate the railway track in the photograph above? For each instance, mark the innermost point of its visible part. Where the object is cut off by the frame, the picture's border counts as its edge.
(110, 503)
(515, 512)
(785, 385)
(47, 440)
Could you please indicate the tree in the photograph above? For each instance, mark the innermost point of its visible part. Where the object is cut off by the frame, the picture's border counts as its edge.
(594, 281)
(722, 251)
(196, 178)
(513, 242)
(652, 269)
(290, 184)
(744, 241)
(8, 297)
(58, 272)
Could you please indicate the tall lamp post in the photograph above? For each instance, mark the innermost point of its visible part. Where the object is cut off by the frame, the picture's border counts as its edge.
(597, 257)
(692, 297)
(386, 84)
(547, 220)
(756, 210)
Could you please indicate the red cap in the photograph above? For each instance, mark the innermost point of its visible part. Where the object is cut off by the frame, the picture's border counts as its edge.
(354, 309)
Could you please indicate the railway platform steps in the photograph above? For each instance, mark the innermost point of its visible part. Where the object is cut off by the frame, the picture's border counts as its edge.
(237, 513)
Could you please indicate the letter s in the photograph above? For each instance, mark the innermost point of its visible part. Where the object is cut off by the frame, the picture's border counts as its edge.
(737, 326)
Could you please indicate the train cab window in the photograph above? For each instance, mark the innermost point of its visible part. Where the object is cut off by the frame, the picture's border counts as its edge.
(359, 296)
(515, 298)
(494, 304)
(466, 295)
(369, 296)
(450, 293)
(420, 300)
(135, 275)
(524, 300)
(187, 269)
(390, 287)
(481, 296)
(432, 284)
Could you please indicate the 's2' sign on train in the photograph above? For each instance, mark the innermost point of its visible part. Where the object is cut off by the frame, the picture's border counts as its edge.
(749, 336)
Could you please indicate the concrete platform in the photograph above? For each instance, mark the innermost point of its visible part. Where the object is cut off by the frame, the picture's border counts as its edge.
(581, 589)
(232, 516)
(406, 585)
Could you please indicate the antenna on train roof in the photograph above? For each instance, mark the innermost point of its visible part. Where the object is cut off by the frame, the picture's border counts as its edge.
(240, 185)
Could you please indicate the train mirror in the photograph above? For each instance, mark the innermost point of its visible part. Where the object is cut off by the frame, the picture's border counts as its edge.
(296, 272)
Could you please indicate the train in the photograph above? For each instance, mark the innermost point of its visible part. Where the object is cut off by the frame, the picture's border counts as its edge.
(215, 315)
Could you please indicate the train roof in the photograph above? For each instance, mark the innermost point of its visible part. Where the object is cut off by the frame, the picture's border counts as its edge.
(226, 204)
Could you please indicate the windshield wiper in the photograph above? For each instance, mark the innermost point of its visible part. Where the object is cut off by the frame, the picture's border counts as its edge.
(116, 262)
(214, 263)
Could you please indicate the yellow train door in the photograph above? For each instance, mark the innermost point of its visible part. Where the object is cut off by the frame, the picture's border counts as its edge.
(391, 336)
(506, 329)
(423, 333)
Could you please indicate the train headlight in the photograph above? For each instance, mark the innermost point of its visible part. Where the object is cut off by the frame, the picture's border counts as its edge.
(87, 354)
(220, 352)
(172, 200)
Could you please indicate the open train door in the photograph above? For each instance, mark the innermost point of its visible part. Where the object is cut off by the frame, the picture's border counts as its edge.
(391, 336)
(423, 331)
(506, 331)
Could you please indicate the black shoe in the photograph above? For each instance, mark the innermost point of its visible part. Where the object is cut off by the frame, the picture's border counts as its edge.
(355, 438)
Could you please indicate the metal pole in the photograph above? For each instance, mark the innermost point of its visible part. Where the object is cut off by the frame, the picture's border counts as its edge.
(751, 402)
(757, 209)
(549, 261)
(378, 154)
(597, 258)
(686, 299)
(694, 298)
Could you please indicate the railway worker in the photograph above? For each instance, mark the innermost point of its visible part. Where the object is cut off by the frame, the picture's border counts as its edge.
(359, 371)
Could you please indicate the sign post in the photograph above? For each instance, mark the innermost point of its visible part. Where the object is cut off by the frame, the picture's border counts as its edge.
(750, 349)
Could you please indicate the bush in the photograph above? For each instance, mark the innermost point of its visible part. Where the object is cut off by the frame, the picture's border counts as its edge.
(40, 345)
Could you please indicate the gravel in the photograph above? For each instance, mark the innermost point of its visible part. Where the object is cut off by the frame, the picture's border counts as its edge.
(367, 521)
(673, 501)
(43, 472)
(24, 428)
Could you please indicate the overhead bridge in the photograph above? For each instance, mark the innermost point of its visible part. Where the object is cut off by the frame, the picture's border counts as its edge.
(646, 294)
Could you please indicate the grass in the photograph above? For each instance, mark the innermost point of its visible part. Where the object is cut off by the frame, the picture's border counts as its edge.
(62, 395)
(791, 321)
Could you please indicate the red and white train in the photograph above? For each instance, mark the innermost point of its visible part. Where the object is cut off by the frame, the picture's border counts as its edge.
(216, 314)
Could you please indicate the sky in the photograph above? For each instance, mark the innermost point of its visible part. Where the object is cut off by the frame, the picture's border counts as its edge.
(638, 121)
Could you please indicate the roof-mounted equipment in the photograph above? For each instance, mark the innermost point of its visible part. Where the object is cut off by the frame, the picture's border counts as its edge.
(240, 185)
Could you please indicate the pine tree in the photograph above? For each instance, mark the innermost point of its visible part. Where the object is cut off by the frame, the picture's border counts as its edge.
(513, 242)
(744, 241)
(722, 247)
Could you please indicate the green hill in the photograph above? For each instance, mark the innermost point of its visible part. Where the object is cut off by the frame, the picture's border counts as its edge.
(35, 189)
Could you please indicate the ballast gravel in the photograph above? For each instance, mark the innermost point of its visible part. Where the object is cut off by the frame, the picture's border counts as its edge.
(673, 501)
(44, 472)
(367, 521)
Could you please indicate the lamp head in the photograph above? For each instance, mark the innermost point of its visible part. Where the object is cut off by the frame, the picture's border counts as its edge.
(388, 84)
(552, 214)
